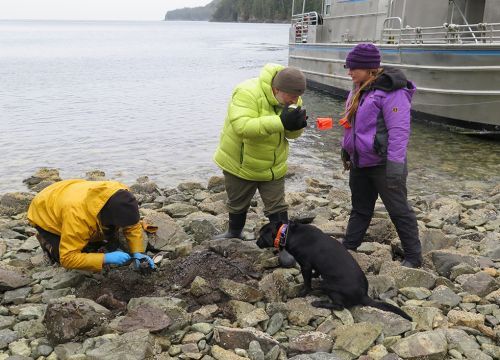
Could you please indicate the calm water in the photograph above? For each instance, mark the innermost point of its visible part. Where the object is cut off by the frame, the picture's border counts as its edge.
(149, 98)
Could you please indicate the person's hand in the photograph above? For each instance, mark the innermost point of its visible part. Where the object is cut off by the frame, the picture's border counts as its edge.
(295, 119)
(138, 257)
(119, 258)
(346, 159)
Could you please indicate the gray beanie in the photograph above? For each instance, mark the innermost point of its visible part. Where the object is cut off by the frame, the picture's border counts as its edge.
(290, 80)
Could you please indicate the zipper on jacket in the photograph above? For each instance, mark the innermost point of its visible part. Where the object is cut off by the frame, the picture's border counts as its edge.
(241, 153)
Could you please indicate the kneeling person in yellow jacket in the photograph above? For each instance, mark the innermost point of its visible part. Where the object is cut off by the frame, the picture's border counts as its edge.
(75, 217)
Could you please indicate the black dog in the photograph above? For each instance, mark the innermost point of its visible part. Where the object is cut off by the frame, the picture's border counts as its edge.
(342, 278)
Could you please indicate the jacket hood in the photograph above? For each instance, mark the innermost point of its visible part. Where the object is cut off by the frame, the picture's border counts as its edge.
(392, 79)
(266, 77)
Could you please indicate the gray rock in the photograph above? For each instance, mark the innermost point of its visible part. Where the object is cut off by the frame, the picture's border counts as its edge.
(444, 260)
(431, 345)
(301, 312)
(15, 203)
(66, 280)
(357, 338)
(174, 308)
(10, 280)
(66, 351)
(425, 317)
(480, 284)
(275, 323)
(48, 295)
(379, 284)
(433, 239)
(310, 342)
(44, 350)
(239, 291)
(7, 321)
(276, 285)
(144, 317)
(6, 337)
(255, 352)
(417, 293)
(144, 186)
(169, 234)
(31, 329)
(200, 287)
(67, 318)
(461, 269)
(490, 245)
(134, 345)
(392, 324)
(316, 356)
(202, 226)
(232, 338)
(17, 296)
(445, 297)
(179, 210)
(31, 312)
(406, 277)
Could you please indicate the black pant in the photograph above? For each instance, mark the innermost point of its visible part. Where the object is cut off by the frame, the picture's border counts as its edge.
(366, 185)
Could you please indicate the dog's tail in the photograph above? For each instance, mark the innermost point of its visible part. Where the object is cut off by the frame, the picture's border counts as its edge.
(367, 301)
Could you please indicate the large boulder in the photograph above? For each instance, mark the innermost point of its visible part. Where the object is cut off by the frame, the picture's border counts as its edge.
(431, 345)
(134, 345)
(169, 234)
(10, 280)
(232, 338)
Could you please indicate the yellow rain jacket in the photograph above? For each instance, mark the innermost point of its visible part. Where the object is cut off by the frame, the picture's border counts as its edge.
(70, 209)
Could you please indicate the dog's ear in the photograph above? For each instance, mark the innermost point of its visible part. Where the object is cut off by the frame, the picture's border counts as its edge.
(266, 237)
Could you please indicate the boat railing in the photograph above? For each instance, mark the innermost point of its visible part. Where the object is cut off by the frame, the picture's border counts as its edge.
(301, 24)
(445, 34)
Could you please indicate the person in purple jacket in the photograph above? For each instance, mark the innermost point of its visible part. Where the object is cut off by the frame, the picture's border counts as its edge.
(374, 149)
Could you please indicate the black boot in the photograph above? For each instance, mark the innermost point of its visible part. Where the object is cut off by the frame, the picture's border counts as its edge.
(285, 259)
(236, 225)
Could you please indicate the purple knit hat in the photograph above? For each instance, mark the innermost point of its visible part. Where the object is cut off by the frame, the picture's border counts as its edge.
(363, 56)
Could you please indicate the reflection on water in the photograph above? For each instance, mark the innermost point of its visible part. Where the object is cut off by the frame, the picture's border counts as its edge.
(149, 98)
(439, 161)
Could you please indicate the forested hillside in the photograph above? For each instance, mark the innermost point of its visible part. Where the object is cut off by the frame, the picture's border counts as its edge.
(244, 11)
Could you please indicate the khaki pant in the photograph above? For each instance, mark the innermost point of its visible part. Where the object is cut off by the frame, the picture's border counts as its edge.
(240, 193)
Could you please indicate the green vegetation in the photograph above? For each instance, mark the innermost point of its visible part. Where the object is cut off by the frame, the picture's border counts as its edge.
(244, 11)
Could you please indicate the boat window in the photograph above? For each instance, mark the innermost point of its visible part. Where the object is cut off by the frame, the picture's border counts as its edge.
(328, 7)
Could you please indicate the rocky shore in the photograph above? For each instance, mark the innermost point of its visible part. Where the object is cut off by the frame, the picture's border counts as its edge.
(229, 299)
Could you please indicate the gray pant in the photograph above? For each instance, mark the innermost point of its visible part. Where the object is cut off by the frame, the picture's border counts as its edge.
(240, 193)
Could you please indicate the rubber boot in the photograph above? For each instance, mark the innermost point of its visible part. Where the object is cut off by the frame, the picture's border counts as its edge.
(236, 225)
(285, 259)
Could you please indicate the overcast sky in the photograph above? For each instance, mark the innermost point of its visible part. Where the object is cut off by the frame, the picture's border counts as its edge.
(92, 9)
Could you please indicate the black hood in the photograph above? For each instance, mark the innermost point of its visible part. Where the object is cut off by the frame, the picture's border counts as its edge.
(120, 210)
(392, 79)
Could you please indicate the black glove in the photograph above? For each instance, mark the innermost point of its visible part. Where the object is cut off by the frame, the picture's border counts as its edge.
(346, 159)
(295, 119)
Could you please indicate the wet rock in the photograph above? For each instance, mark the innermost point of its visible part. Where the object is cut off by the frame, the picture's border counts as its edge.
(138, 344)
(480, 284)
(445, 297)
(310, 342)
(7, 336)
(144, 317)
(357, 338)
(430, 345)
(66, 318)
(46, 175)
(232, 338)
(10, 280)
(144, 186)
(169, 234)
(239, 291)
(444, 260)
(95, 175)
(392, 324)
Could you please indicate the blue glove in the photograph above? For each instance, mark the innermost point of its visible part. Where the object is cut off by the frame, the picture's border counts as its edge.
(138, 257)
(116, 258)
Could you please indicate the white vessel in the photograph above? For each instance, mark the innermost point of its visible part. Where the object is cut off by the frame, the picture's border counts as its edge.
(449, 48)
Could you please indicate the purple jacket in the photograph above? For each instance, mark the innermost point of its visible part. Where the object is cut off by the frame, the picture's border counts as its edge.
(380, 131)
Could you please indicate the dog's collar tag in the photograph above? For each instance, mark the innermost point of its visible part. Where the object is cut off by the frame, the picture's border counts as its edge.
(280, 240)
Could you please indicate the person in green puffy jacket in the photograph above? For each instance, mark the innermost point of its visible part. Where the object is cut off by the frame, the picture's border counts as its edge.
(262, 115)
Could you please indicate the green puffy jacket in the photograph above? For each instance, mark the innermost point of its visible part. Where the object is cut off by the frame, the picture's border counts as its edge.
(253, 143)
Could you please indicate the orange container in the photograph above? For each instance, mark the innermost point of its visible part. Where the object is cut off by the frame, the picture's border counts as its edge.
(324, 123)
(343, 122)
